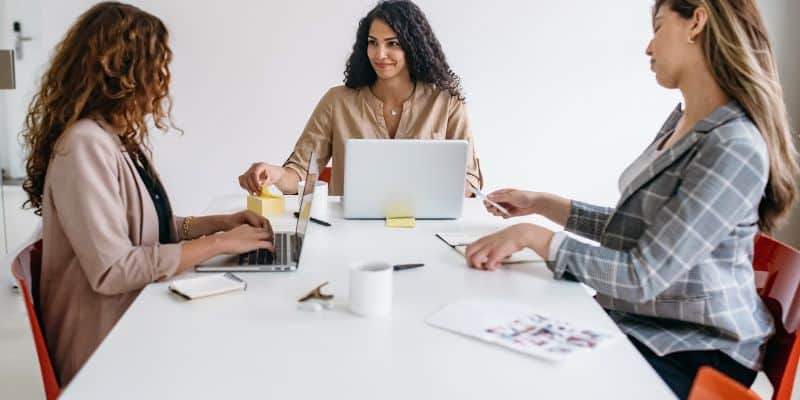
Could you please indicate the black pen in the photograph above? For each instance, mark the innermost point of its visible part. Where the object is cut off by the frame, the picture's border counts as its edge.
(319, 221)
(401, 267)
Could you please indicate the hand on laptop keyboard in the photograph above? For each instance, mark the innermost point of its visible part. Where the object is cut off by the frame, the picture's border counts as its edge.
(268, 256)
(245, 238)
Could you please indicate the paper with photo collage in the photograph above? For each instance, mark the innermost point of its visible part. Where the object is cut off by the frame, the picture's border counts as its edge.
(518, 328)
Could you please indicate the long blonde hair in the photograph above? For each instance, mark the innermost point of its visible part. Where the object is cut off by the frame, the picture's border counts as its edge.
(738, 51)
(113, 64)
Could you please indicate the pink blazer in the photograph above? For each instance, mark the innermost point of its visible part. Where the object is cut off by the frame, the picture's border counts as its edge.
(100, 243)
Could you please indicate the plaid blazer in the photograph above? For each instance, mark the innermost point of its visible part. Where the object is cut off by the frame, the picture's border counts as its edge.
(674, 265)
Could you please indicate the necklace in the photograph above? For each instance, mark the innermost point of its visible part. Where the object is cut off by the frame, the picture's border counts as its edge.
(395, 111)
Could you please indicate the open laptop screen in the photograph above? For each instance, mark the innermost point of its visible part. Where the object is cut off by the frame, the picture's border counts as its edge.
(306, 195)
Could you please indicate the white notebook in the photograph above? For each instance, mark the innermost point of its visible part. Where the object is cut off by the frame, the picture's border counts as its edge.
(519, 328)
(460, 240)
(209, 285)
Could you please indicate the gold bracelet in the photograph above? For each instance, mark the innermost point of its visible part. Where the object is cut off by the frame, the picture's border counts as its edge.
(187, 222)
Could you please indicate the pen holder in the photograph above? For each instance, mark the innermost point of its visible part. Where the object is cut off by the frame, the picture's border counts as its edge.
(266, 204)
(319, 205)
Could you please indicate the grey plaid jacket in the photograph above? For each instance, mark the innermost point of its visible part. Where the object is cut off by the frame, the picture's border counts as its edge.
(674, 265)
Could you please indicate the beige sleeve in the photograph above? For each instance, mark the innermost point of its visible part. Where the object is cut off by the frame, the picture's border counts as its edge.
(458, 129)
(86, 194)
(317, 136)
(177, 229)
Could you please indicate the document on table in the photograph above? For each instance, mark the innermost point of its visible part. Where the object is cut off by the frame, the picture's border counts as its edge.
(519, 328)
(460, 240)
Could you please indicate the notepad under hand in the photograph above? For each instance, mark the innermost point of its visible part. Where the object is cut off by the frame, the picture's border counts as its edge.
(460, 240)
(209, 285)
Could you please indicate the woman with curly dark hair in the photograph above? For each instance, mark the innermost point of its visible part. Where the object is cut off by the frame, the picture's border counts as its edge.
(398, 85)
(108, 228)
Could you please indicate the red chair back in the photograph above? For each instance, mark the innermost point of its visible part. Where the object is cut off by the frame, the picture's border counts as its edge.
(26, 268)
(779, 264)
(325, 176)
(710, 384)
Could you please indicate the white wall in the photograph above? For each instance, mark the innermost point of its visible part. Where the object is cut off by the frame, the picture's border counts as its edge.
(28, 71)
(782, 16)
(560, 95)
(3, 148)
(5, 43)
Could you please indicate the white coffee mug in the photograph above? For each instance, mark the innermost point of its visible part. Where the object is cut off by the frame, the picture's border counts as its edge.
(371, 289)
(319, 205)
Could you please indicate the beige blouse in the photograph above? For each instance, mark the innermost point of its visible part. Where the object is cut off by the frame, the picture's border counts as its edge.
(100, 243)
(345, 113)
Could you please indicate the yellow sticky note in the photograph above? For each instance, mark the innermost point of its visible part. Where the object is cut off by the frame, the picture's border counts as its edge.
(266, 203)
(267, 194)
(407, 222)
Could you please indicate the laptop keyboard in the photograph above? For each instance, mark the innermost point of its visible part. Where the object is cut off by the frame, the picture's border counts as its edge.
(267, 257)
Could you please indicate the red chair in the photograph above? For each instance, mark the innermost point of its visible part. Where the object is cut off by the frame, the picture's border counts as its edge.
(711, 384)
(325, 175)
(26, 268)
(779, 265)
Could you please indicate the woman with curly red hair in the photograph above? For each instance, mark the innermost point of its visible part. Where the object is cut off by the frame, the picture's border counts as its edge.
(108, 228)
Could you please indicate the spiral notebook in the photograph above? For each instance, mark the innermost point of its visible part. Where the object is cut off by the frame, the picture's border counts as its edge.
(209, 285)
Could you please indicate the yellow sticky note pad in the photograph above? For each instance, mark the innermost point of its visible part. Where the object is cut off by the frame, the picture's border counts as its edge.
(266, 204)
(407, 222)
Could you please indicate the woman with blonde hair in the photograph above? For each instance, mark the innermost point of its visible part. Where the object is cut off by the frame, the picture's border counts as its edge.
(674, 264)
(108, 228)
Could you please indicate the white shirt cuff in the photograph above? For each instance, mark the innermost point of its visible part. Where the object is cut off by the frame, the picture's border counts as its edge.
(555, 243)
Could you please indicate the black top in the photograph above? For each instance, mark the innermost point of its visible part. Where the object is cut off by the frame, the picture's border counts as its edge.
(157, 194)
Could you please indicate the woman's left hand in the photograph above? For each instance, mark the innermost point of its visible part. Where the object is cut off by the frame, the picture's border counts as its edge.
(245, 217)
(489, 252)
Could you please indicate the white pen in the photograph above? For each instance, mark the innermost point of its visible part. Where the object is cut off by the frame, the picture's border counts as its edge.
(486, 199)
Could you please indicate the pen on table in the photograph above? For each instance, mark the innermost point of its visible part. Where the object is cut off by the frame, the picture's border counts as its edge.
(319, 221)
(400, 267)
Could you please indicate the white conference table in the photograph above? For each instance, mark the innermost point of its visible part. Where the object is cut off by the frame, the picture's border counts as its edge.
(258, 344)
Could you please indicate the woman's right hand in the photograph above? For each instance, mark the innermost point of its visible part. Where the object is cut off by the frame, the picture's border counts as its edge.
(517, 202)
(245, 238)
(258, 175)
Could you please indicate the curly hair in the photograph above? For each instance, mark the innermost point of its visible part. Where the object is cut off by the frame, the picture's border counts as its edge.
(112, 65)
(424, 55)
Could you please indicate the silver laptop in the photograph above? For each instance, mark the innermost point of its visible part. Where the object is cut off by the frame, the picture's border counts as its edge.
(404, 178)
(288, 245)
